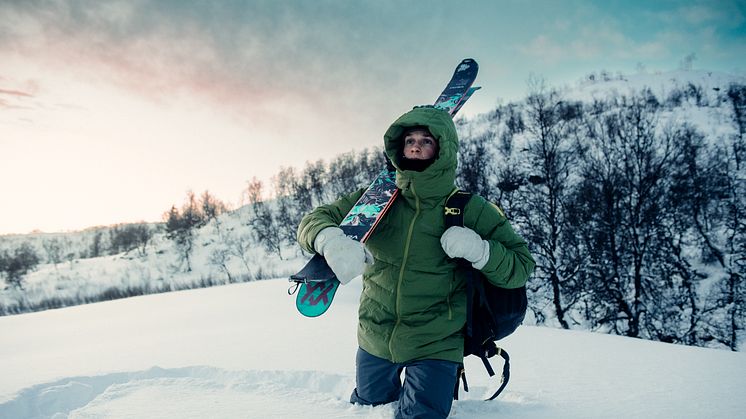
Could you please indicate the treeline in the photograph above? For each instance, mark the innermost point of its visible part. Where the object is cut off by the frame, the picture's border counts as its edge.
(633, 205)
(296, 192)
(637, 217)
(23, 257)
(272, 217)
(18, 259)
(180, 224)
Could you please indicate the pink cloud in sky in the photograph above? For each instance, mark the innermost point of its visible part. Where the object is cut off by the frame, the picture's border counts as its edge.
(15, 93)
(162, 62)
(13, 96)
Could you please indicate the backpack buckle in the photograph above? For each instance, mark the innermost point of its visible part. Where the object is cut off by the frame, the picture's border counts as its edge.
(452, 211)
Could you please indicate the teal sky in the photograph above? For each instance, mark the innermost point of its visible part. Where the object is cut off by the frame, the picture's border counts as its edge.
(111, 110)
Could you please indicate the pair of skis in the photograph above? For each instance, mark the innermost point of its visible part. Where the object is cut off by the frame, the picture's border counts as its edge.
(316, 284)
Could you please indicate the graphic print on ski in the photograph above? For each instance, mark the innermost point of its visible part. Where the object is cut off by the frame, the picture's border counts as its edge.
(317, 283)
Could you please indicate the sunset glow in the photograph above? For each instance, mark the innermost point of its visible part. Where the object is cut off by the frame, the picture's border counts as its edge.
(110, 111)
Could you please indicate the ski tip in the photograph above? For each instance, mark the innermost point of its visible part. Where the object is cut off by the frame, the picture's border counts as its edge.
(467, 66)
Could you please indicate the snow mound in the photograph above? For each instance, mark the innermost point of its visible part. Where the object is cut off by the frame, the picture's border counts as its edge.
(242, 351)
(191, 392)
(198, 392)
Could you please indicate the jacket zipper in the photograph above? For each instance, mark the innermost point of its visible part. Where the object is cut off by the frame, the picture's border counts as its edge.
(401, 270)
(448, 298)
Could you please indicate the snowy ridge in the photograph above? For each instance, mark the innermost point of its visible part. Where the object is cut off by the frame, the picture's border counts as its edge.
(160, 269)
(661, 84)
(229, 352)
(710, 115)
(232, 393)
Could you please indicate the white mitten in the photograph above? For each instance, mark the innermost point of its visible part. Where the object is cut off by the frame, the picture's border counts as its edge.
(462, 242)
(346, 257)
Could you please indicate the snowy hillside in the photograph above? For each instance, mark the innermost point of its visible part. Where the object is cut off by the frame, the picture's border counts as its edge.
(630, 191)
(696, 97)
(223, 252)
(661, 84)
(710, 114)
(157, 267)
(226, 251)
(243, 351)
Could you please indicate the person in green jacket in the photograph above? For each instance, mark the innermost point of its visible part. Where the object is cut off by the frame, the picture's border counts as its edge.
(413, 304)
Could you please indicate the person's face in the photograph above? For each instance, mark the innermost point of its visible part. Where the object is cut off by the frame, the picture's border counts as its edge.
(419, 144)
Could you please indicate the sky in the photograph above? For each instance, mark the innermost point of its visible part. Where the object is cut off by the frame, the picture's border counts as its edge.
(110, 111)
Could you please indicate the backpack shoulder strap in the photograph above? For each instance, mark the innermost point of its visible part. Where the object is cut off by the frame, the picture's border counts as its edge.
(454, 216)
(454, 208)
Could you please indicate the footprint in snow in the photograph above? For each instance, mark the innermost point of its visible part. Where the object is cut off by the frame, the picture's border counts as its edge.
(193, 392)
(201, 392)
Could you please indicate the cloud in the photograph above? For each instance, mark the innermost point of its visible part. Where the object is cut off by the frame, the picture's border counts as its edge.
(16, 93)
(273, 59)
(723, 13)
(616, 35)
(249, 59)
(545, 49)
(605, 41)
(16, 97)
(586, 43)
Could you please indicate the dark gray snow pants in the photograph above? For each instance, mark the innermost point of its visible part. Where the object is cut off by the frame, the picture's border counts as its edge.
(427, 391)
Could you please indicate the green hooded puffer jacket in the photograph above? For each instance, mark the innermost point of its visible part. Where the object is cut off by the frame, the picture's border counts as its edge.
(413, 304)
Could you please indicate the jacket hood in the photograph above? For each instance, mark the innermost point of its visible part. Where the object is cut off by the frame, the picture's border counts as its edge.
(438, 179)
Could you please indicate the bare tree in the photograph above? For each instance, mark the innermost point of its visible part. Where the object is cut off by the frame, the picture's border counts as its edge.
(627, 167)
(15, 265)
(219, 257)
(239, 247)
(476, 164)
(290, 195)
(96, 248)
(53, 249)
(180, 226)
(263, 221)
(551, 124)
(127, 237)
(211, 207)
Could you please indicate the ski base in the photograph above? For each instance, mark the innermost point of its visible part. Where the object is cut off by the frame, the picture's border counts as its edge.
(315, 298)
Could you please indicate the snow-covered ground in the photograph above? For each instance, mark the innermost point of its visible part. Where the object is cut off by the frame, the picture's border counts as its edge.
(242, 351)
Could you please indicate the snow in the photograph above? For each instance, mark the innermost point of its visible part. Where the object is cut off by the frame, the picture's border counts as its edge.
(661, 84)
(160, 268)
(243, 351)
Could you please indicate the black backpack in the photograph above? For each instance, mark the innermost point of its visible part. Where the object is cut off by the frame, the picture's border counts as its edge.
(492, 313)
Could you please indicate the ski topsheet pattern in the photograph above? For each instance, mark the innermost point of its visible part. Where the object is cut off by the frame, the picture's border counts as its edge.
(458, 89)
(316, 284)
